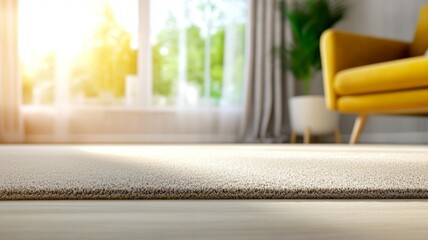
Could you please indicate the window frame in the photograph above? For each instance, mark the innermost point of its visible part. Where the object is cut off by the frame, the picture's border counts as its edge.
(144, 74)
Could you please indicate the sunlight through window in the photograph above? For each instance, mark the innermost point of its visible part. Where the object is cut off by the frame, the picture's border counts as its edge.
(87, 52)
(79, 51)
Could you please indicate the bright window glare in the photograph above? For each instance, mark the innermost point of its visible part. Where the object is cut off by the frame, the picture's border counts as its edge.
(86, 44)
(49, 25)
(86, 52)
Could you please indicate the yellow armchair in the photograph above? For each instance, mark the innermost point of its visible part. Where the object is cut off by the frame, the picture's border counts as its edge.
(366, 75)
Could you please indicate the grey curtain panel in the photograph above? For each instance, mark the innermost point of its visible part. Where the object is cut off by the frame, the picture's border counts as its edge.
(266, 109)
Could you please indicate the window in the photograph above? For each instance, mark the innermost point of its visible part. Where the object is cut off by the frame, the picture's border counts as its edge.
(133, 52)
(77, 52)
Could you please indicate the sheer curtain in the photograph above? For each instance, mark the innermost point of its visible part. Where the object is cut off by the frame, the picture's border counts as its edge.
(266, 113)
(11, 126)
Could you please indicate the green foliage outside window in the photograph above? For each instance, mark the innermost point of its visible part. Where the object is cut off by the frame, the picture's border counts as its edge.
(106, 58)
(165, 53)
(105, 61)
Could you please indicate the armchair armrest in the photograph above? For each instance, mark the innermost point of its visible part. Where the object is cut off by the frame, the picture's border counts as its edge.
(342, 50)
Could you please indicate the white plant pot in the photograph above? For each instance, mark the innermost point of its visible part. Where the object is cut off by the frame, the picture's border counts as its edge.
(311, 112)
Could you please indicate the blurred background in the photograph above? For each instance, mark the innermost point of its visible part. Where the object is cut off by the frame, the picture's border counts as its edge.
(174, 71)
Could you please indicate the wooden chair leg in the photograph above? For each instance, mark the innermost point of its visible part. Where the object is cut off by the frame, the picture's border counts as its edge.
(338, 136)
(293, 138)
(359, 125)
(307, 137)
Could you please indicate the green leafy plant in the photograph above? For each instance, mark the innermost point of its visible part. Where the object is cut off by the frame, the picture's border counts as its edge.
(308, 19)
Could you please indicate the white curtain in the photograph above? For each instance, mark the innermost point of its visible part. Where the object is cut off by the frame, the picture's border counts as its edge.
(11, 126)
(266, 113)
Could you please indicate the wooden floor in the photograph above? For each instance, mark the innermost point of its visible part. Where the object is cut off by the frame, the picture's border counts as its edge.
(214, 220)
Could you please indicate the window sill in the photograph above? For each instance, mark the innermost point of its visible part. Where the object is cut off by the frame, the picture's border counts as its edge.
(52, 108)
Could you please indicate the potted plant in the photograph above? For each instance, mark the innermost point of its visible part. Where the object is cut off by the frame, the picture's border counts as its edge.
(308, 19)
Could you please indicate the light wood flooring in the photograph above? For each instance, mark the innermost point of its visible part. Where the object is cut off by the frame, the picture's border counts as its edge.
(274, 219)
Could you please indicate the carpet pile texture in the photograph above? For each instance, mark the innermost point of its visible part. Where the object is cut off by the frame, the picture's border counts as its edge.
(212, 172)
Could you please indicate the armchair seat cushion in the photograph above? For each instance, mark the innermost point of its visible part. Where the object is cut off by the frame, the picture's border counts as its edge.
(398, 75)
(400, 102)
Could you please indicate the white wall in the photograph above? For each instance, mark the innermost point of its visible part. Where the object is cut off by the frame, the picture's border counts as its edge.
(392, 19)
(385, 18)
(125, 125)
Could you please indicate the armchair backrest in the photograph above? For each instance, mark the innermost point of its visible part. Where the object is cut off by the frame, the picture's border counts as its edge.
(420, 42)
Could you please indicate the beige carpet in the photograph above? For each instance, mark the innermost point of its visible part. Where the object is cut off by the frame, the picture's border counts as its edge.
(212, 172)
